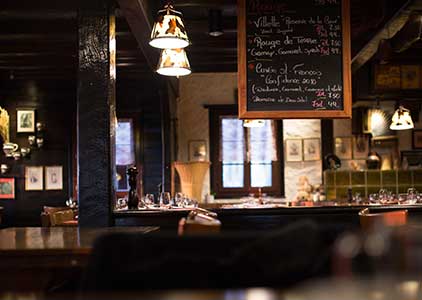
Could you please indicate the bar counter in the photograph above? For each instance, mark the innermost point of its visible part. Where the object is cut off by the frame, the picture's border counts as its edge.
(341, 216)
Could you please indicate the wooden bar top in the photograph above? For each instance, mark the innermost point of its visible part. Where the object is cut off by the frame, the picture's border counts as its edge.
(56, 239)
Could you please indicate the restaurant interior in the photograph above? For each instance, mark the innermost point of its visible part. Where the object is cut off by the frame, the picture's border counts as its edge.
(134, 162)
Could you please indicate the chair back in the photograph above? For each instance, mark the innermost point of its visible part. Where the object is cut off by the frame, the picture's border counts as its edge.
(394, 218)
(59, 217)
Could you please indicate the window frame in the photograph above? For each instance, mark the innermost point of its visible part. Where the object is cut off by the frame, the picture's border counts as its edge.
(277, 188)
(135, 119)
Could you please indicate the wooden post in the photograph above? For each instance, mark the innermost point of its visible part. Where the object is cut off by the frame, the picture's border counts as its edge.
(96, 113)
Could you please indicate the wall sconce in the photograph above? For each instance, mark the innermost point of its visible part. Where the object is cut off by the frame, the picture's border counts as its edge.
(253, 123)
(173, 62)
(169, 30)
(4, 168)
(401, 119)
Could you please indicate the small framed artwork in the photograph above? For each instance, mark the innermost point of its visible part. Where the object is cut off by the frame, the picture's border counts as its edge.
(417, 139)
(410, 77)
(343, 147)
(34, 179)
(25, 120)
(7, 188)
(294, 151)
(311, 149)
(360, 147)
(197, 150)
(54, 178)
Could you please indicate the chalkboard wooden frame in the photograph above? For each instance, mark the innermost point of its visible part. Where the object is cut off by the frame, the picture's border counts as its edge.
(346, 112)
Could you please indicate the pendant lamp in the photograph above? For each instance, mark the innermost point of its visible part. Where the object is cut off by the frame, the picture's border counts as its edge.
(253, 123)
(173, 62)
(169, 30)
(401, 119)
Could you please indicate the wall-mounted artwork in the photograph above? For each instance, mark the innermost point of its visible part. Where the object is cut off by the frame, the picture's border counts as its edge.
(294, 150)
(410, 77)
(34, 179)
(25, 120)
(343, 147)
(360, 147)
(4, 125)
(311, 149)
(54, 178)
(417, 138)
(7, 188)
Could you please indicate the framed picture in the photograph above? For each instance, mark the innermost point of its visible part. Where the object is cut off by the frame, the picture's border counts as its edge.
(417, 139)
(360, 147)
(387, 77)
(410, 77)
(54, 178)
(197, 150)
(25, 120)
(343, 147)
(34, 179)
(7, 188)
(311, 149)
(294, 151)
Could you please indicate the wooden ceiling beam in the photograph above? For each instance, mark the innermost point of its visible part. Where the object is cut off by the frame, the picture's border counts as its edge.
(138, 17)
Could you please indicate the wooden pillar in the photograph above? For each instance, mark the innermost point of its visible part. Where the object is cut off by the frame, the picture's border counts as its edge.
(96, 113)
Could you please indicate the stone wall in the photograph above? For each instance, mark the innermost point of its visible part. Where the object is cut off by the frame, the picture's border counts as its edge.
(301, 129)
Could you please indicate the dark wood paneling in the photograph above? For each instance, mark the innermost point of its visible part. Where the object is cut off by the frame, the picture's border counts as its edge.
(54, 102)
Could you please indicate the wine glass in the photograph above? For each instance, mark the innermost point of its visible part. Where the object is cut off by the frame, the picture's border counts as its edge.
(149, 199)
(178, 199)
(165, 199)
(412, 196)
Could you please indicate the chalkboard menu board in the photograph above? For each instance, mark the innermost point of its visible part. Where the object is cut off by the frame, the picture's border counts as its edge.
(294, 59)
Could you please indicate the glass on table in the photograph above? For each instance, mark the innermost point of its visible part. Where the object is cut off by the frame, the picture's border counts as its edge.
(178, 199)
(412, 196)
(165, 199)
(149, 200)
(374, 199)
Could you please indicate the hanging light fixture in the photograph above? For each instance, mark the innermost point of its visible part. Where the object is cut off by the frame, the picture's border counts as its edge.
(253, 123)
(215, 23)
(169, 30)
(401, 119)
(173, 62)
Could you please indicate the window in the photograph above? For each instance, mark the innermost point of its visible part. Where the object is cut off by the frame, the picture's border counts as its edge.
(244, 159)
(125, 152)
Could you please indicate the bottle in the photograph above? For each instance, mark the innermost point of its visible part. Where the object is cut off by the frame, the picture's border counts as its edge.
(133, 200)
(349, 195)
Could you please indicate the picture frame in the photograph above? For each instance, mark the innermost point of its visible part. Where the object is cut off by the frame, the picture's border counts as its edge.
(311, 149)
(197, 150)
(53, 178)
(293, 150)
(343, 147)
(34, 178)
(25, 120)
(417, 138)
(410, 76)
(7, 188)
(360, 147)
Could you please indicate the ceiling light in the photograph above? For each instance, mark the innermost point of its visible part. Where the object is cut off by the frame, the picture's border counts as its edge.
(214, 22)
(401, 119)
(169, 30)
(173, 62)
(253, 123)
